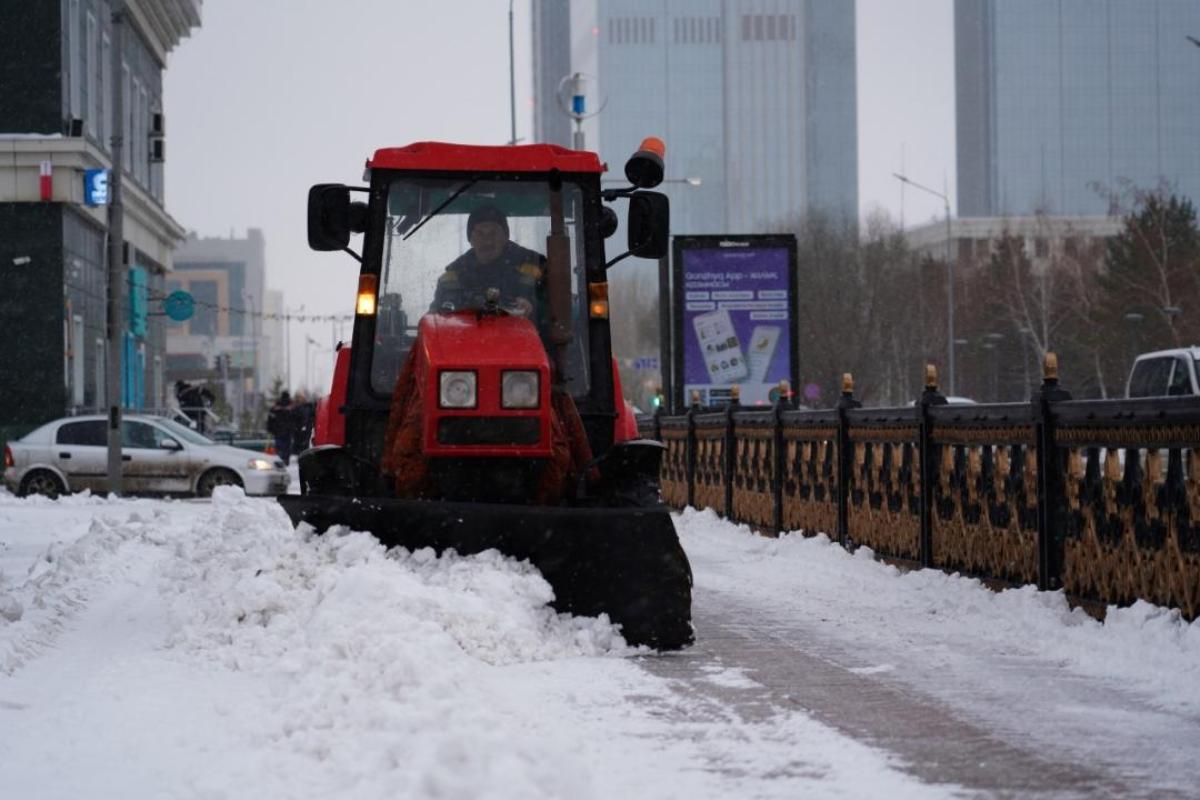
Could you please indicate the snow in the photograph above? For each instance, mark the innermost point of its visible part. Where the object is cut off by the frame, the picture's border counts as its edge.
(190, 649)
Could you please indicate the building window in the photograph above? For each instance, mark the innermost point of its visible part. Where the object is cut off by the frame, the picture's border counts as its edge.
(104, 118)
(769, 27)
(74, 61)
(631, 30)
(696, 30)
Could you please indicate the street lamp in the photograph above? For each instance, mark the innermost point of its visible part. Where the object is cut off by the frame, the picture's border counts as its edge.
(576, 84)
(949, 276)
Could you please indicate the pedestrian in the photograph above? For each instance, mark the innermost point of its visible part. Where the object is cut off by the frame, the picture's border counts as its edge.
(281, 424)
(304, 414)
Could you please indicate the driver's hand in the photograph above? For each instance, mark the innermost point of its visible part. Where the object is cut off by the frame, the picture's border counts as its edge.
(520, 308)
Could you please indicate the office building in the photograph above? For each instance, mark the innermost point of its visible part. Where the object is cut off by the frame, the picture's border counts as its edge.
(1064, 105)
(754, 98)
(56, 124)
(230, 339)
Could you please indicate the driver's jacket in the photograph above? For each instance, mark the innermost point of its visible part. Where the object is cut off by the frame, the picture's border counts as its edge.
(516, 273)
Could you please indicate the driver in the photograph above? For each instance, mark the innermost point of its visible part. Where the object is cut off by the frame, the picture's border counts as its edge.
(494, 261)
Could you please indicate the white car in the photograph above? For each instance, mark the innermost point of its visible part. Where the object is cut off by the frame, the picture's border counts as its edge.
(159, 456)
(1165, 373)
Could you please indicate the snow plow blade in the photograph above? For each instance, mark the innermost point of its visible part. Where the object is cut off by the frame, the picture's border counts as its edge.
(624, 562)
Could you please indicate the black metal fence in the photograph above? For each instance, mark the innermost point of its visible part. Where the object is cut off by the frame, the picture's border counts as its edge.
(1100, 498)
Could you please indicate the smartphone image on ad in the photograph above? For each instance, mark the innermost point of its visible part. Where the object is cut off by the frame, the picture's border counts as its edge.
(723, 357)
(761, 350)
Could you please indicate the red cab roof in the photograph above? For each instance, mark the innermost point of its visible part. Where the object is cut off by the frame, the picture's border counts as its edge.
(443, 156)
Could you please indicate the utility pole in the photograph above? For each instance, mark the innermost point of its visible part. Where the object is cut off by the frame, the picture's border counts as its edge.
(512, 77)
(945, 198)
(116, 256)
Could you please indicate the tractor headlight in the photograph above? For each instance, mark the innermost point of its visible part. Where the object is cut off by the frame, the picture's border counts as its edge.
(519, 389)
(261, 464)
(456, 389)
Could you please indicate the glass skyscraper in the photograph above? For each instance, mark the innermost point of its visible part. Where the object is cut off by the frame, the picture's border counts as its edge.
(755, 98)
(1064, 105)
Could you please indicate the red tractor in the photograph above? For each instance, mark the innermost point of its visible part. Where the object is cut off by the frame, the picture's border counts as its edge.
(477, 406)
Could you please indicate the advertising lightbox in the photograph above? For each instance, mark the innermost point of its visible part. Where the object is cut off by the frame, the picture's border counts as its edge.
(735, 317)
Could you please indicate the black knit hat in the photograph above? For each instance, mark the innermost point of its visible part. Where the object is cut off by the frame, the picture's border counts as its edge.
(487, 214)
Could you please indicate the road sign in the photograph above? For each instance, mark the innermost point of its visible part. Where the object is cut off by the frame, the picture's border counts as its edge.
(179, 306)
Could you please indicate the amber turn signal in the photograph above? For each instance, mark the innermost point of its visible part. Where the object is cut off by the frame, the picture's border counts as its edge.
(368, 286)
(598, 300)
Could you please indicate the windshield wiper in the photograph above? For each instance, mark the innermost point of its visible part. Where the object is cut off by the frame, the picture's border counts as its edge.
(438, 210)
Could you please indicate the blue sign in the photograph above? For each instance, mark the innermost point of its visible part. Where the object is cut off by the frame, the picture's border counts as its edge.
(645, 362)
(179, 306)
(95, 187)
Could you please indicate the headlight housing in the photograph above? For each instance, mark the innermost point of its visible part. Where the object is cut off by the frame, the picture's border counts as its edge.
(456, 389)
(520, 388)
(261, 464)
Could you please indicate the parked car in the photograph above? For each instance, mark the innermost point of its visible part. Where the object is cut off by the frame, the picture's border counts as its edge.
(259, 441)
(161, 457)
(1164, 373)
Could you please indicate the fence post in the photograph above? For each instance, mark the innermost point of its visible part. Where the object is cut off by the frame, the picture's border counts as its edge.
(691, 448)
(929, 469)
(844, 458)
(735, 395)
(777, 468)
(1050, 490)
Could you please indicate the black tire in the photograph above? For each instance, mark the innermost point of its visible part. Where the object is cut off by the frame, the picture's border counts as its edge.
(218, 476)
(43, 482)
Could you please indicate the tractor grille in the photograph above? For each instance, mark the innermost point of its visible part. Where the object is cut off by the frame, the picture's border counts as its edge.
(488, 430)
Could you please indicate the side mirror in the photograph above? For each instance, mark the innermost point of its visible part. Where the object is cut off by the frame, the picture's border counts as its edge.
(170, 444)
(329, 216)
(649, 224)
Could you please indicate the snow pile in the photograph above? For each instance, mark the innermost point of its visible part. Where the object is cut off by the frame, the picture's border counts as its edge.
(383, 666)
(64, 577)
(924, 615)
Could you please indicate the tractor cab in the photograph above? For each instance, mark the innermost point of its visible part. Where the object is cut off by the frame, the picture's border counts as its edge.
(514, 232)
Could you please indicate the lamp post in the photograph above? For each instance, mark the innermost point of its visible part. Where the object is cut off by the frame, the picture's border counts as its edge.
(512, 78)
(949, 277)
(1134, 318)
(287, 344)
(993, 344)
(1172, 313)
(309, 343)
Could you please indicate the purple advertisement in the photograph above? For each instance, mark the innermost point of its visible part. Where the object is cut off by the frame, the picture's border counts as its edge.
(736, 325)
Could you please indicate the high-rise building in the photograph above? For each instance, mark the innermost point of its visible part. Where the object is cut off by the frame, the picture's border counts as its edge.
(1064, 104)
(756, 100)
(57, 82)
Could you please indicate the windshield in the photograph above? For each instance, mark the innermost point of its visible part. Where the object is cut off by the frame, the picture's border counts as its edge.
(181, 432)
(449, 241)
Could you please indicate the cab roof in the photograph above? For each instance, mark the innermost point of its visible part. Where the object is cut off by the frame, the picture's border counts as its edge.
(447, 157)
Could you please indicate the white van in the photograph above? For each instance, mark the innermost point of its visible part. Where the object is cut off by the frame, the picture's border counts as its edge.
(1165, 373)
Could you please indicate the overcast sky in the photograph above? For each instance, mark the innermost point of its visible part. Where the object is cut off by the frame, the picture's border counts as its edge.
(268, 97)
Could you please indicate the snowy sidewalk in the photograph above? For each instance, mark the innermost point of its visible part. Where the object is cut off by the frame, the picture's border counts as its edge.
(1012, 694)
